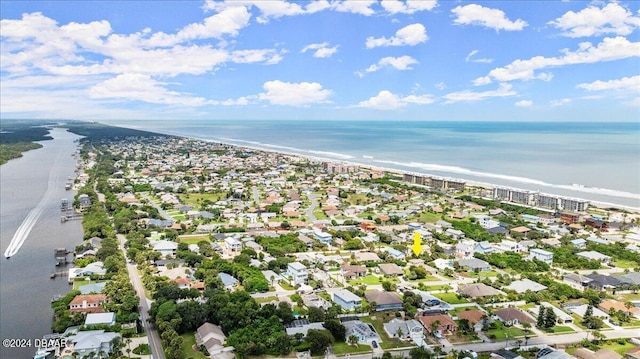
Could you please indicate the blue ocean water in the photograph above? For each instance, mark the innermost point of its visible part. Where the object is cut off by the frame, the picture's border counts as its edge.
(596, 161)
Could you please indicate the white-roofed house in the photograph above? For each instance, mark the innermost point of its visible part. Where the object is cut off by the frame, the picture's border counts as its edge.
(347, 300)
(93, 319)
(297, 273)
(164, 247)
(523, 285)
(541, 255)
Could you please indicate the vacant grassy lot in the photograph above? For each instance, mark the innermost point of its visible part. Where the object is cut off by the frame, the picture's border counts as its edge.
(195, 199)
(451, 298)
(189, 340)
(194, 239)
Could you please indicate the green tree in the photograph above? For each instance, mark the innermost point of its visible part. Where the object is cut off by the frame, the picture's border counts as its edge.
(318, 340)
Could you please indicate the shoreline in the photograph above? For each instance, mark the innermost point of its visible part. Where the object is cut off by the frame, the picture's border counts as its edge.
(350, 160)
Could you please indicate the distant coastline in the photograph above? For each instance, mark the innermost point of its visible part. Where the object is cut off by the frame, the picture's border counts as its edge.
(351, 160)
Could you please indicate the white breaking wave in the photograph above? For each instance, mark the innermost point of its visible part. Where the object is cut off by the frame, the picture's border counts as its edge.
(531, 181)
(291, 149)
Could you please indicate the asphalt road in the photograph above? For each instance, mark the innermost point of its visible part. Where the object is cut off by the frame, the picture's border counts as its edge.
(152, 334)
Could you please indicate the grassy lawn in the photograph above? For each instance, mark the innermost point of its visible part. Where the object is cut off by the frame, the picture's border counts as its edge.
(501, 333)
(287, 286)
(437, 287)
(189, 340)
(451, 298)
(428, 217)
(320, 215)
(378, 321)
(366, 215)
(266, 299)
(428, 278)
(193, 239)
(561, 329)
(78, 283)
(177, 215)
(622, 263)
(633, 323)
(368, 280)
(359, 199)
(617, 347)
(194, 199)
(344, 348)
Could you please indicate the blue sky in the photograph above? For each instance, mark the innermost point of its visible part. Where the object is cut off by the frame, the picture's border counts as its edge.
(335, 60)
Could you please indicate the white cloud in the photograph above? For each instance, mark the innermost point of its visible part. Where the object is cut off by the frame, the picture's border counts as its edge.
(625, 84)
(268, 56)
(562, 102)
(362, 7)
(481, 81)
(609, 49)
(294, 94)
(140, 87)
(504, 90)
(473, 53)
(441, 86)
(474, 14)
(408, 7)
(228, 21)
(386, 100)
(399, 63)
(409, 35)
(524, 103)
(595, 21)
(322, 50)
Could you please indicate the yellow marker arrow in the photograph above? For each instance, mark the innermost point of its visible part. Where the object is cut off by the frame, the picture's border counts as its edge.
(417, 244)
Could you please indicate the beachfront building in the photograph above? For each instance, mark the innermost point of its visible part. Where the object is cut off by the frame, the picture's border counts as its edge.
(573, 204)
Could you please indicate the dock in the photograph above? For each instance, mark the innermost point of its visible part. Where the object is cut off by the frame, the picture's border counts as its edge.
(70, 217)
(60, 254)
(59, 274)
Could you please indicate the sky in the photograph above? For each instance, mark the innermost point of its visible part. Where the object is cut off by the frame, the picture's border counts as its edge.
(549, 60)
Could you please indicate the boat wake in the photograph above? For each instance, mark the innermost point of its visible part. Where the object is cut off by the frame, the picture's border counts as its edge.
(32, 218)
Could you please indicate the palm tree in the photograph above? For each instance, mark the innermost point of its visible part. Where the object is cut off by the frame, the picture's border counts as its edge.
(353, 340)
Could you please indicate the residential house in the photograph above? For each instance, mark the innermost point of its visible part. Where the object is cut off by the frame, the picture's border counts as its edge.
(183, 283)
(513, 316)
(347, 300)
(365, 332)
(595, 256)
(297, 273)
(384, 300)
(524, 285)
(403, 329)
(455, 234)
(95, 268)
(483, 248)
(395, 254)
(475, 317)
(323, 237)
(438, 324)
(551, 242)
(94, 319)
(474, 264)
(228, 281)
(541, 255)
(233, 244)
(478, 290)
(302, 326)
(577, 281)
(88, 303)
(604, 282)
(561, 316)
(466, 248)
(508, 246)
(579, 243)
(580, 309)
(83, 343)
(164, 247)
(353, 271)
(391, 270)
(614, 305)
(505, 354)
(211, 337)
(366, 257)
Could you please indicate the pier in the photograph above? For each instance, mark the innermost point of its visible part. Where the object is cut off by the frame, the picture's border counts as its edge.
(60, 255)
(70, 217)
(55, 274)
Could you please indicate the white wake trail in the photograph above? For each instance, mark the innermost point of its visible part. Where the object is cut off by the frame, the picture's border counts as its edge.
(32, 218)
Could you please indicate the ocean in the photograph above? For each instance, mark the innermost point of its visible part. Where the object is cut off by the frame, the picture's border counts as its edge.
(599, 162)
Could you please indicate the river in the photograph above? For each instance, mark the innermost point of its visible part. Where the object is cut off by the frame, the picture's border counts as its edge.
(35, 181)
